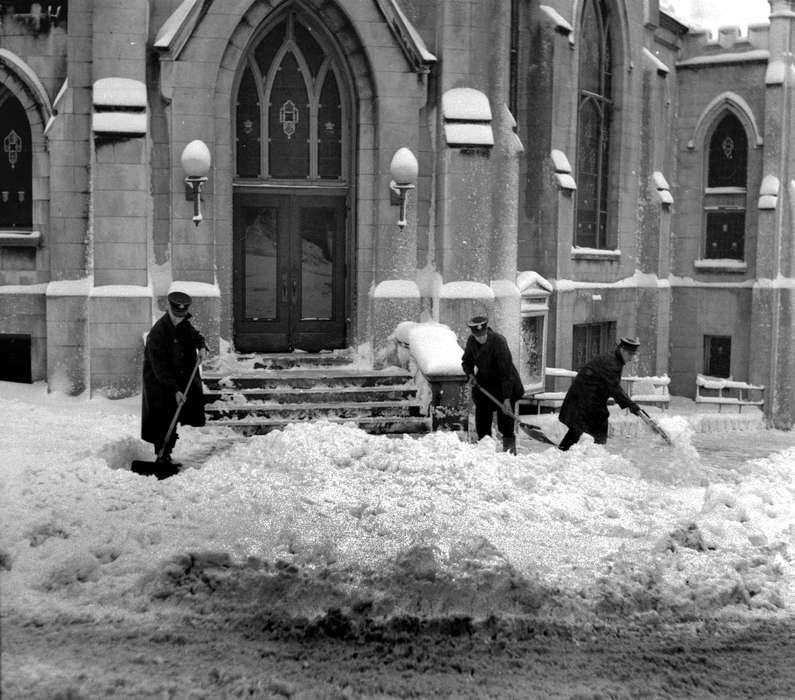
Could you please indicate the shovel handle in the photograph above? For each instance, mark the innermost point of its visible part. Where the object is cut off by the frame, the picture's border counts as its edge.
(494, 400)
(179, 406)
(532, 431)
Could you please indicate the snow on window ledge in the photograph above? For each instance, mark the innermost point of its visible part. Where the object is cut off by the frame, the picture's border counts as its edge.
(721, 265)
(397, 289)
(580, 253)
(19, 239)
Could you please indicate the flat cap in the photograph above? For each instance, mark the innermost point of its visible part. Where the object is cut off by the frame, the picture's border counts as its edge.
(478, 323)
(631, 343)
(179, 300)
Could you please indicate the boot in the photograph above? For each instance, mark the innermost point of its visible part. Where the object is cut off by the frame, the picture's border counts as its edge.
(509, 444)
(166, 467)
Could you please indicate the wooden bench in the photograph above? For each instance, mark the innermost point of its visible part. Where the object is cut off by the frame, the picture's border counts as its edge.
(727, 392)
(648, 391)
(558, 380)
(642, 390)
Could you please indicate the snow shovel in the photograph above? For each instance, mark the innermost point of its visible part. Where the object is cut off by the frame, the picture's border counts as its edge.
(655, 426)
(532, 431)
(155, 468)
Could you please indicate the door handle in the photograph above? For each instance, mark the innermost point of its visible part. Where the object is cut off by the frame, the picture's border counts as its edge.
(284, 287)
(295, 288)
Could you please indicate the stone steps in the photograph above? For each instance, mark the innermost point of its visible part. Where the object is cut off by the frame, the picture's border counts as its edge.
(308, 411)
(370, 424)
(306, 379)
(284, 389)
(388, 392)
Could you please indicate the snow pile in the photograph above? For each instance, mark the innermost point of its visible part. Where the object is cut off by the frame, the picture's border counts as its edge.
(433, 346)
(322, 517)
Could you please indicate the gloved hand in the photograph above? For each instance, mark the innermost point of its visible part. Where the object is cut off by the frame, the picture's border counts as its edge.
(634, 409)
(506, 407)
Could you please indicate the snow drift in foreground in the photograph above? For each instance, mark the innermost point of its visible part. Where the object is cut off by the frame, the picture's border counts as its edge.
(322, 518)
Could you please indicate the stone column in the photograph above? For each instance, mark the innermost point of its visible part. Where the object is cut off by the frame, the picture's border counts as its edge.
(773, 309)
(120, 301)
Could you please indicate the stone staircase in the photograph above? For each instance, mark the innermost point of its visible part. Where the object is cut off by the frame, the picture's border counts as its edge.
(266, 392)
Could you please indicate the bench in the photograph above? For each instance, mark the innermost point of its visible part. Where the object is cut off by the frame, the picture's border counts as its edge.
(642, 390)
(648, 391)
(727, 392)
(559, 381)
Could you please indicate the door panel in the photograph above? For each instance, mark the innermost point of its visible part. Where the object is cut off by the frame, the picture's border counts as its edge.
(261, 252)
(289, 272)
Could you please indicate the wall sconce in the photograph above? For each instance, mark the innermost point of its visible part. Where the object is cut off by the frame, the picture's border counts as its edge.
(403, 170)
(196, 164)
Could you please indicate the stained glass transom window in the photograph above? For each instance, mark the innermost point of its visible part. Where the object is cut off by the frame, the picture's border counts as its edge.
(289, 111)
(728, 154)
(16, 164)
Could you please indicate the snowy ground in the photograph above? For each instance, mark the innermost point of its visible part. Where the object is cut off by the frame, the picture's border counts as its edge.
(325, 527)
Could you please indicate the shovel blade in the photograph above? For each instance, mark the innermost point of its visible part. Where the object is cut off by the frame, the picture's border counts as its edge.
(144, 468)
(656, 427)
(536, 433)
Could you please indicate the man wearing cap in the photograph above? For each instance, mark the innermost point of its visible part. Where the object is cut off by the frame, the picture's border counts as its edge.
(173, 347)
(487, 362)
(584, 408)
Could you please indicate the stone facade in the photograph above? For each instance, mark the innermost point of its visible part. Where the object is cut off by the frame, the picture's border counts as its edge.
(487, 95)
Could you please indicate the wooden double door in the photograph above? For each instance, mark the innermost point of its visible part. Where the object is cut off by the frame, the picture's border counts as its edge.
(289, 271)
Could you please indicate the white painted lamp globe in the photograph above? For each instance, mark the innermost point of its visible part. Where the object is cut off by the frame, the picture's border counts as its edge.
(196, 159)
(403, 167)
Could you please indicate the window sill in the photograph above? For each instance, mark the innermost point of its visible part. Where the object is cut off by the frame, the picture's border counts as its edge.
(721, 265)
(16, 239)
(578, 253)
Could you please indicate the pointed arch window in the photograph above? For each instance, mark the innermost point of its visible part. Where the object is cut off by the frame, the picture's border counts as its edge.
(16, 164)
(725, 192)
(595, 114)
(289, 112)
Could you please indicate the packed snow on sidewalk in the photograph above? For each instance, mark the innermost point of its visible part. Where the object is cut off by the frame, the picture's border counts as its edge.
(321, 517)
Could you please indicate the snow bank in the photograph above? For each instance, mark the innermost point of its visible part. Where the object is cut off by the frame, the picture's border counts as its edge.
(323, 516)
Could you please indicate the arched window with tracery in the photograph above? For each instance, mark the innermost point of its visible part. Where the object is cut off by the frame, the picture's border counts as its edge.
(725, 192)
(16, 164)
(290, 115)
(595, 111)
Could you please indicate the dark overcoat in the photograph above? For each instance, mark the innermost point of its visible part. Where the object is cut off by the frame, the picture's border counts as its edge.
(169, 358)
(496, 372)
(585, 405)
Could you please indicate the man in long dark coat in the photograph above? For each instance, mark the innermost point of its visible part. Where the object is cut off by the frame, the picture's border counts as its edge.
(170, 355)
(487, 362)
(584, 408)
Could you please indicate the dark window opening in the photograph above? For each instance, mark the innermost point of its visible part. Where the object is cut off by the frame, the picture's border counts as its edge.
(590, 340)
(717, 355)
(15, 358)
(725, 235)
(16, 164)
(728, 154)
(593, 128)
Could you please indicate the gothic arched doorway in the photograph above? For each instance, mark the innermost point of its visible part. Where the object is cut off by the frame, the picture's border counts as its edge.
(292, 124)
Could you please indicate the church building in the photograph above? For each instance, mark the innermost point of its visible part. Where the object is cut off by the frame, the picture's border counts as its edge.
(316, 172)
